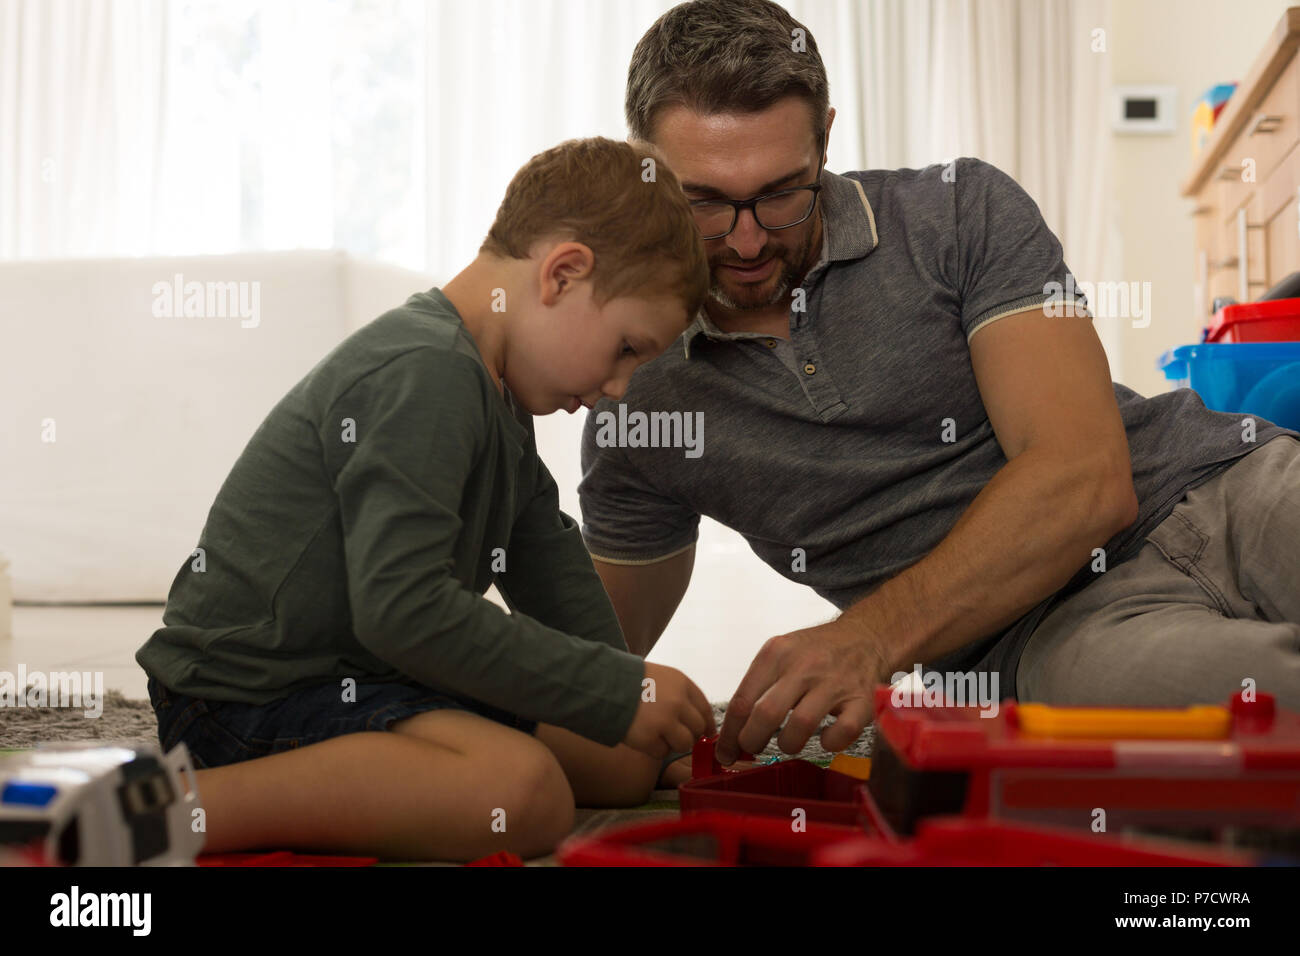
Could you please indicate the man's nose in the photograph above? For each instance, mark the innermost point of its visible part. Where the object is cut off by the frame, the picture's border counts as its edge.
(748, 238)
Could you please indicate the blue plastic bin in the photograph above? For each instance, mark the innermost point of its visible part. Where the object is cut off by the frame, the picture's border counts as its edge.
(1247, 378)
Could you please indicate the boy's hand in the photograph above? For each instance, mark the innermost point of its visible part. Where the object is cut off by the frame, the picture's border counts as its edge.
(675, 774)
(677, 715)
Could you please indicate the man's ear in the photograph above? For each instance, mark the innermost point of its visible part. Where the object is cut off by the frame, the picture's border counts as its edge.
(830, 121)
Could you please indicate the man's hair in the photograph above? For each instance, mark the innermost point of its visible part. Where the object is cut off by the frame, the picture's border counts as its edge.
(631, 213)
(724, 56)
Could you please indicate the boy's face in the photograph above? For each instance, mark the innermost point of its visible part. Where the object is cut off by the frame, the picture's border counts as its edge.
(573, 353)
(739, 156)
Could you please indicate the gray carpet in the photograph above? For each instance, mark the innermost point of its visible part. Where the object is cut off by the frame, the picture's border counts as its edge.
(812, 750)
(133, 721)
(122, 720)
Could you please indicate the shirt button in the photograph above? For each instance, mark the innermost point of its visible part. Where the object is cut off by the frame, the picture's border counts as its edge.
(770, 343)
(809, 368)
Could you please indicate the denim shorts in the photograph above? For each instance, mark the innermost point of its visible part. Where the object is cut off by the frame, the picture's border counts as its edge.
(218, 732)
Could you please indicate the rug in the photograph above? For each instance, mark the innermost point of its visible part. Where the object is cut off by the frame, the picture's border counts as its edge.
(123, 720)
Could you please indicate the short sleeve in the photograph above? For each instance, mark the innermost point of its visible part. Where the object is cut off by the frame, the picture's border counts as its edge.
(1007, 258)
(625, 519)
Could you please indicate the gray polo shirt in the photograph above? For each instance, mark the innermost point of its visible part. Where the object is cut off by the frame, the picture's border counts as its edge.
(834, 442)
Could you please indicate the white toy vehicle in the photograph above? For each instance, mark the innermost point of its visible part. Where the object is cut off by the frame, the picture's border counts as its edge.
(94, 804)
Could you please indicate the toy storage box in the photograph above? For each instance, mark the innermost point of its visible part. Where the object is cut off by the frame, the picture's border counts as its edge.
(1206, 769)
(1248, 378)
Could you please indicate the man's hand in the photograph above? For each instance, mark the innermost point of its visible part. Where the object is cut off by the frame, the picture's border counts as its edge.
(679, 771)
(832, 668)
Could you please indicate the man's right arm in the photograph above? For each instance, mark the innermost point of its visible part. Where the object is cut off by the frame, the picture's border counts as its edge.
(645, 596)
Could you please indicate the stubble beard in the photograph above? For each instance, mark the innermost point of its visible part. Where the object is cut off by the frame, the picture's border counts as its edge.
(787, 277)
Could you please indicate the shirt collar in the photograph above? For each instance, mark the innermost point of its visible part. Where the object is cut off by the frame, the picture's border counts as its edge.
(848, 232)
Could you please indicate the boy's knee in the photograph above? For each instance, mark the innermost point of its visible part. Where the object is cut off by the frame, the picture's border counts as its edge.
(543, 800)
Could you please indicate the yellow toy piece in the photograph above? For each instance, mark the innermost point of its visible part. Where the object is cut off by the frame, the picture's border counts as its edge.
(1191, 723)
(858, 767)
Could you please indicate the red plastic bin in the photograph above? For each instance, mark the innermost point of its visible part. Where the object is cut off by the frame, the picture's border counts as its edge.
(1243, 784)
(705, 839)
(1277, 320)
(944, 841)
(730, 839)
(776, 790)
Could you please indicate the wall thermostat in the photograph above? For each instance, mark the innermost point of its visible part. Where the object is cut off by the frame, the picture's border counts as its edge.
(1143, 109)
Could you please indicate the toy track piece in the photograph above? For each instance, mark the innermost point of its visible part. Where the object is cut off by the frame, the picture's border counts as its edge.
(705, 764)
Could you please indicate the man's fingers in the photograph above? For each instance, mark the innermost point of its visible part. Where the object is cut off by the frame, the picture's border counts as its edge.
(762, 674)
(804, 720)
(768, 715)
(854, 715)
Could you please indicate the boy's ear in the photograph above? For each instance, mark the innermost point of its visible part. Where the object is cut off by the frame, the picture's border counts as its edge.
(566, 263)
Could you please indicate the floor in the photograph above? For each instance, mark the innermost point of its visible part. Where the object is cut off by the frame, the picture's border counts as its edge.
(96, 639)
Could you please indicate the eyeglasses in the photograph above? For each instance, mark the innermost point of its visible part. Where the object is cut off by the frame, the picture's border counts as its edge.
(779, 210)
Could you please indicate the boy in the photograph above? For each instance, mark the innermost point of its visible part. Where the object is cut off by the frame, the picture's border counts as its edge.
(328, 656)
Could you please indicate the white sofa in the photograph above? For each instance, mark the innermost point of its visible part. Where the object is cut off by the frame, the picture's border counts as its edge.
(149, 411)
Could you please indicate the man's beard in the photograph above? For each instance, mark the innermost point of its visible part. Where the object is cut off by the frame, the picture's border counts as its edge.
(787, 277)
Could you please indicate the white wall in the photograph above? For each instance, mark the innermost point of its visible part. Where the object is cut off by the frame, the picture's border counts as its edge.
(1190, 44)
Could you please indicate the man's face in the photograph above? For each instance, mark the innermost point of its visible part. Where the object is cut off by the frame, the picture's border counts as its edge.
(739, 156)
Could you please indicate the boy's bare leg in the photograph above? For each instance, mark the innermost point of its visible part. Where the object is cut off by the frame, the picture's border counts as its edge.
(394, 795)
(601, 776)
(598, 776)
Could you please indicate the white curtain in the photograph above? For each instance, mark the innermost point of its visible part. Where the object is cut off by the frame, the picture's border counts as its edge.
(1023, 84)
(128, 128)
(81, 87)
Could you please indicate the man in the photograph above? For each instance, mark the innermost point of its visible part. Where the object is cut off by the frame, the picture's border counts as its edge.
(904, 414)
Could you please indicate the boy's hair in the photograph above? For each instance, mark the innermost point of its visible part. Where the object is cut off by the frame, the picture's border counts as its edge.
(632, 214)
(724, 56)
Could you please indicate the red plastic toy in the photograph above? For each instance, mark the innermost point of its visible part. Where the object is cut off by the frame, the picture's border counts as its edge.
(704, 839)
(775, 790)
(730, 839)
(500, 858)
(1227, 773)
(953, 841)
(705, 764)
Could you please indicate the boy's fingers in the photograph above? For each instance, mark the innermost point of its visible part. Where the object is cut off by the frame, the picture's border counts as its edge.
(682, 740)
(709, 727)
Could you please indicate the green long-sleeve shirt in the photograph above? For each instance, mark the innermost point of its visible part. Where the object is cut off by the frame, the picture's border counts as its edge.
(357, 532)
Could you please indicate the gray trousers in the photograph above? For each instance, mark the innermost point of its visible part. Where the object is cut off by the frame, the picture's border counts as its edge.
(1211, 599)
